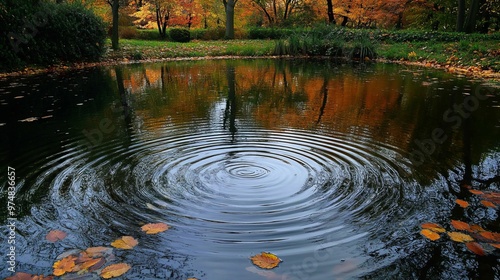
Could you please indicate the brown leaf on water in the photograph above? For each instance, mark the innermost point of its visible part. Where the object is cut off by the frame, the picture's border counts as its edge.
(193, 278)
(462, 203)
(460, 237)
(476, 248)
(55, 235)
(493, 236)
(154, 228)
(488, 203)
(114, 270)
(495, 245)
(266, 260)
(65, 265)
(430, 234)
(476, 192)
(493, 197)
(98, 251)
(432, 226)
(476, 228)
(460, 225)
(125, 242)
(27, 276)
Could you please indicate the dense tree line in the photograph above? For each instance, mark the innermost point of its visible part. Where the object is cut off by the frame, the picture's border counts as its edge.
(460, 15)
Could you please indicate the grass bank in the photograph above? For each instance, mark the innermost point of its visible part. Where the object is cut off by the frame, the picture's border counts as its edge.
(479, 58)
(475, 55)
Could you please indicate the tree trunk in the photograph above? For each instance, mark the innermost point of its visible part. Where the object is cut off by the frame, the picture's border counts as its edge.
(470, 25)
(460, 16)
(344, 21)
(229, 7)
(331, 17)
(115, 6)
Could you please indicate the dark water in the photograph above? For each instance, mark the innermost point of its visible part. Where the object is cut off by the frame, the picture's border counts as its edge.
(331, 167)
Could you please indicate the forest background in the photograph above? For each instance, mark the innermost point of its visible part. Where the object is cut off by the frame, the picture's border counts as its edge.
(46, 32)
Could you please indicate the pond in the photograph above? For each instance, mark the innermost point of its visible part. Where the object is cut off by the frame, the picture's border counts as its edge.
(332, 167)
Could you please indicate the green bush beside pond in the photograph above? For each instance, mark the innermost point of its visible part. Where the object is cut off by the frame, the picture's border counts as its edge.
(49, 33)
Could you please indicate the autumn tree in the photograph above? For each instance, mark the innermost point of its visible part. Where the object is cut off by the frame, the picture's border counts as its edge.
(279, 11)
(163, 11)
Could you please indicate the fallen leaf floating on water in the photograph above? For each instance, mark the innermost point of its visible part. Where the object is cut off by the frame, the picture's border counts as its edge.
(491, 235)
(460, 237)
(91, 265)
(55, 235)
(488, 203)
(477, 228)
(495, 245)
(99, 251)
(476, 248)
(433, 227)
(266, 260)
(125, 242)
(65, 265)
(27, 276)
(192, 278)
(430, 234)
(476, 192)
(462, 203)
(460, 225)
(114, 270)
(154, 228)
(493, 197)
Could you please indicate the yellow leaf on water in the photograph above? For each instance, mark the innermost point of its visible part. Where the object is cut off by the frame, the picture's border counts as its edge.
(432, 226)
(154, 228)
(90, 263)
(430, 234)
(266, 260)
(65, 265)
(55, 235)
(462, 203)
(460, 237)
(125, 242)
(460, 225)
(114, 270)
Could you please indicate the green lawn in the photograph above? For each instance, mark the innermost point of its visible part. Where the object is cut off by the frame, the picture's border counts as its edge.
(482, 54)
(145, 49)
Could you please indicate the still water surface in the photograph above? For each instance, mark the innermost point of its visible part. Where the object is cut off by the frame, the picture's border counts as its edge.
(331, 167)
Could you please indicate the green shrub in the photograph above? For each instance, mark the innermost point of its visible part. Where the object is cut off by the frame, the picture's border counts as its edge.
(149, 34)
(128, 32)
(181, 35)
(269, 33)
(362, 48)
(54, 33)
(311, 43)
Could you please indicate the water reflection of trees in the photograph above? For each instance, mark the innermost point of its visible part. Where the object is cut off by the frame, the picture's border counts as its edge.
(383, 103)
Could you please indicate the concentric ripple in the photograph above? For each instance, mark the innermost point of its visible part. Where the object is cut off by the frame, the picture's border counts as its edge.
(291, 186)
